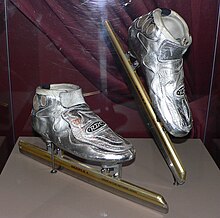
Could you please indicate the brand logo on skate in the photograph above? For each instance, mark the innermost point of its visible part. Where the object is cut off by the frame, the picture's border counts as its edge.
(180, 91)
(95, 126)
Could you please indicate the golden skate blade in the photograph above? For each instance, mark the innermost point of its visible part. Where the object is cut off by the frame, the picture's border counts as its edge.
(161, 137)
(95, 177)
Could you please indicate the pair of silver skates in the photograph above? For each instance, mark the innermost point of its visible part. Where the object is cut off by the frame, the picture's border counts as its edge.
(61, 116)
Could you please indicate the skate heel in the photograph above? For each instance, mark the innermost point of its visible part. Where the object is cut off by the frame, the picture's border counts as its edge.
(51, 148)
(114, 171)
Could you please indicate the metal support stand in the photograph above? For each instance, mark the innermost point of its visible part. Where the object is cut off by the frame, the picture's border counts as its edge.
(108, 178)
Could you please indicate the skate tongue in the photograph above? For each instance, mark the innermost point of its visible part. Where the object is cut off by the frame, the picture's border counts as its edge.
(172, 26)
(71, 98)
(45, 86)
(165, 11)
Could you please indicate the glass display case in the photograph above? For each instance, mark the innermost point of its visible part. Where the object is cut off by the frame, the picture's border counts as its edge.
(47, 42)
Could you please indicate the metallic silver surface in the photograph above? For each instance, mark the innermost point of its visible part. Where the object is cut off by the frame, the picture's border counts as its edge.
(158, 40)
(160, 135)
(61, 116)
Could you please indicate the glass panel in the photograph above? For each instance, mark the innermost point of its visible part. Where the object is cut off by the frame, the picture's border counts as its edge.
(6, 117)
(212, 134)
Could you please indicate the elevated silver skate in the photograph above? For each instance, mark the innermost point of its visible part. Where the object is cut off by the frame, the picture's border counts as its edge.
(158, 40)
(161, 137)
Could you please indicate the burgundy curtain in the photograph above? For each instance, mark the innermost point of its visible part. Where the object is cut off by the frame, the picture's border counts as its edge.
(75, 27)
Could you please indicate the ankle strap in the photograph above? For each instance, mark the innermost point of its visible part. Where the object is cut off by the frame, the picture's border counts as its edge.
(68, 94)
(71, 98)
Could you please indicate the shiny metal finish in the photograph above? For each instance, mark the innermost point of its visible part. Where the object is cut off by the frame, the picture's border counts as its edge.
(158, 40)
(160, 135)
(61, 116)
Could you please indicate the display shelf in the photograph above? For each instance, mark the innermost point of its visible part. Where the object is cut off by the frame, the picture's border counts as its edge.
(28, 189)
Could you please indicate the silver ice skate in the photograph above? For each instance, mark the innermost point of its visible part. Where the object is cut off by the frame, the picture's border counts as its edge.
(62, 117)
(64, 120)
(158, 40)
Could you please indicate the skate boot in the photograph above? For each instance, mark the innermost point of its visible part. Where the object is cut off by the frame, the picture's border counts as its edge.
(61, 116)
(158, 40)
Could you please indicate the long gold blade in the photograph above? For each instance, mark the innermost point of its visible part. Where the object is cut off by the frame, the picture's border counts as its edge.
(94, 176)
(162, 139)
